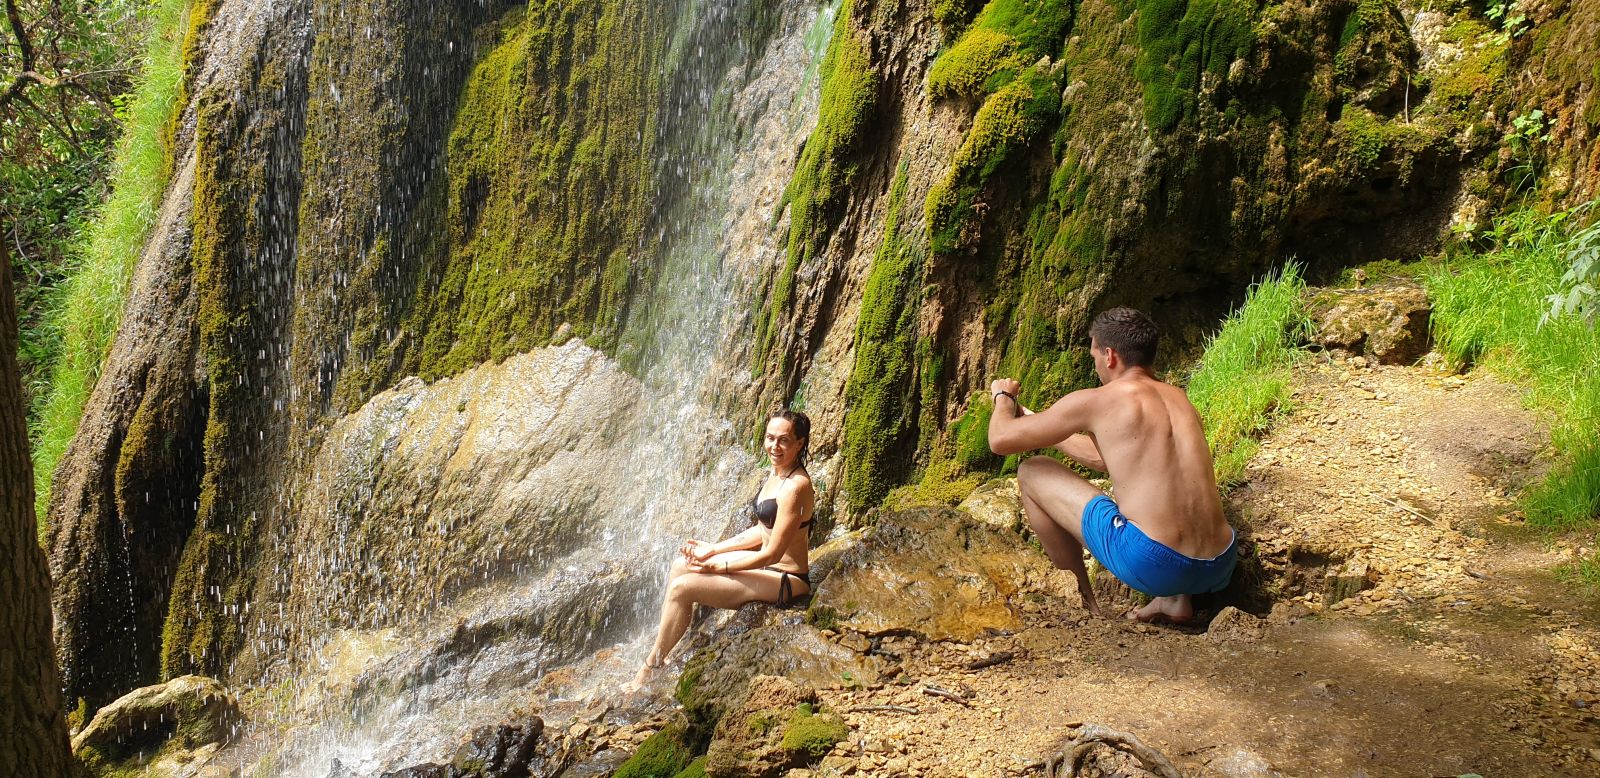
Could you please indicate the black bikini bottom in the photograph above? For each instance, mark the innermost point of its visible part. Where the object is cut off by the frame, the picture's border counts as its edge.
(785, 589)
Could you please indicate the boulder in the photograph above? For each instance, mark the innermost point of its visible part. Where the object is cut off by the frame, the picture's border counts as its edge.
(182, 721)
(935, 572)
(1388, 324)
(997, 503)
(1234, 624)
(775, 728)
(1240, 763)
(716, 679)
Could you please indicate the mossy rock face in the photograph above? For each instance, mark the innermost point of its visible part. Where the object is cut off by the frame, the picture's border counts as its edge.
(934, 572)
(716, 679)
(147, 726)
(774, 728)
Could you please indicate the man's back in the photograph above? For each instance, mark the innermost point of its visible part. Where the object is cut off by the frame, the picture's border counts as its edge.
(1154, 448)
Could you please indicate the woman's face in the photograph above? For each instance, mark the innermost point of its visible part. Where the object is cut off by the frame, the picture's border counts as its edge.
(780, 443)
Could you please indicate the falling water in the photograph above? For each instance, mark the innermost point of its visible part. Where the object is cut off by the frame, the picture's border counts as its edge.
(641, 457)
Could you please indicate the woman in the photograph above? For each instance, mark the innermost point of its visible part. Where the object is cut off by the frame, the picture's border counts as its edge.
(765, 563)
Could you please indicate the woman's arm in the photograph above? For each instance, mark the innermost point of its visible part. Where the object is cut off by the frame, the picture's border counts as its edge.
(785, 531)
(700, 552)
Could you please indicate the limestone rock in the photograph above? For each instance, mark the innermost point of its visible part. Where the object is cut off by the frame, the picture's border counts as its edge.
(936, 572)
(1388, 324)
(717, 678)
(1348, 580)
(997, 503)
(776, 728)
(1234, 624)
(183, 720)
(1240, 763)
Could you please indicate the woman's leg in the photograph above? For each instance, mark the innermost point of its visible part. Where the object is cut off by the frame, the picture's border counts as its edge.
(718, 590)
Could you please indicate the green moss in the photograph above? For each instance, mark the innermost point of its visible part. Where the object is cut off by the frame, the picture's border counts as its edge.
(944, 482)
(953, 15)
(881, 394)
(826, 168)
(1008, 121)
(1366, 142)
(696, 769)
(531, 170)
(701, 709)
(661, 755)
(1179, 41)
(966, 68)
(1478, 74)
(823, 617)
(812, 734)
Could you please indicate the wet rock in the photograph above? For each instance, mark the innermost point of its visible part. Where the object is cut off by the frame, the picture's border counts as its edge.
(1387, 324)
(1234, 624)
(182, 721)
(775, 728)
(935, 572)
(504, 751)
(998, 504)
(717, 678)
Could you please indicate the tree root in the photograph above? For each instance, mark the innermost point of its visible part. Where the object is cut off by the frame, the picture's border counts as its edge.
(1083, 738)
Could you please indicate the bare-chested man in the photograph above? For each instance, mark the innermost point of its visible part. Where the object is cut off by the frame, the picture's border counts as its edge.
(1173, 541)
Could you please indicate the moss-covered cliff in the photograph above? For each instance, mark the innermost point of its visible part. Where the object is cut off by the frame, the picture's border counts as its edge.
(1158, 153)
(404, 188)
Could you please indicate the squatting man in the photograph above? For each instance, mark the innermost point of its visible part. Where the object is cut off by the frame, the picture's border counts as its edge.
(1165, 534)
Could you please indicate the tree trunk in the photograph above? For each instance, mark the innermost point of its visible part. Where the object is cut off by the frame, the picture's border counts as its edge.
(33, 729)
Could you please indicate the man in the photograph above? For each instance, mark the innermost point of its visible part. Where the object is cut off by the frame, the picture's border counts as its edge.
(1172, 542)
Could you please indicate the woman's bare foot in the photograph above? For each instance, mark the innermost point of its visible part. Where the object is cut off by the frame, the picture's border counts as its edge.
(646, 672)
(1177, 609)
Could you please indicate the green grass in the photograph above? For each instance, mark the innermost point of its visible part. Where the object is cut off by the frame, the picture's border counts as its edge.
(89, 306)
(1243, 377)
(1487, 311)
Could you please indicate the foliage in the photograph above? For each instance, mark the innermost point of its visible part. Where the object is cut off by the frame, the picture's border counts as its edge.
(86, 308)
(1487, 310)
(1243, 377)
(1578, 293)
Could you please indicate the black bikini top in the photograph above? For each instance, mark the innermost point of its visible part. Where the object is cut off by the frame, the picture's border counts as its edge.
(766, 511)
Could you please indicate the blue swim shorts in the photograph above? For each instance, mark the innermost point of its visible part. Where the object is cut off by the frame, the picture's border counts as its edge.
(1146, 565)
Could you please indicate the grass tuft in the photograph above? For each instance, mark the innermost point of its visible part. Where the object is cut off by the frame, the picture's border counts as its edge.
(1243, 377)
(1486, 311)
(88, 307)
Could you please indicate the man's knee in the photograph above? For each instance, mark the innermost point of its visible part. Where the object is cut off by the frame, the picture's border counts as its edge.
(1033, 470)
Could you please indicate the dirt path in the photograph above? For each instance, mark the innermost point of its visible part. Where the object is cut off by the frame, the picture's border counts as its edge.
(1463, 654)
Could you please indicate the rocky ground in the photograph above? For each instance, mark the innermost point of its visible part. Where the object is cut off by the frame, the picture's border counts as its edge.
(1401, 620)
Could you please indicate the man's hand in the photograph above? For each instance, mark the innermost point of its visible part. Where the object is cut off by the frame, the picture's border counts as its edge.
(1007, 385)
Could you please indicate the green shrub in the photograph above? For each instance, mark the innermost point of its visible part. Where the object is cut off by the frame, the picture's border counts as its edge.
(1487, 309)
(1243, 377)
(89, 307)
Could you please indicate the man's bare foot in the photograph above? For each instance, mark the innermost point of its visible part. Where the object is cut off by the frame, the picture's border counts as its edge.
(1177, 609)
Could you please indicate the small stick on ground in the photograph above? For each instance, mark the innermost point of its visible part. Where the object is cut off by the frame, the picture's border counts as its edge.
(1408, 509)
(945, 693)
(884, 709)
(998, 658)
(1079, 742)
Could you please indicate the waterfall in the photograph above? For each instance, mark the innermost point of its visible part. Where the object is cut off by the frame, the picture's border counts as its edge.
(637, 455)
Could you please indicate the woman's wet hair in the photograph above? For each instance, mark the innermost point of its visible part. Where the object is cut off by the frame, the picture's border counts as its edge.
(802, 430)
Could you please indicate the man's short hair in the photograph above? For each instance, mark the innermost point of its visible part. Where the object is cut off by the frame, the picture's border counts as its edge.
(1131, 333)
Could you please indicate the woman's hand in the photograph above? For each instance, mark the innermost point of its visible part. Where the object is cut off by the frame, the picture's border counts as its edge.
(702, 566)
(694, 551)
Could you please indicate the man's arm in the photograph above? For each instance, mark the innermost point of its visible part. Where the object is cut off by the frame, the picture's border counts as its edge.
(1013, 433)
(1079, 446)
